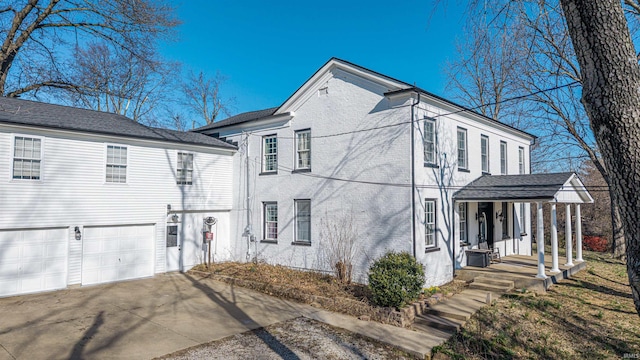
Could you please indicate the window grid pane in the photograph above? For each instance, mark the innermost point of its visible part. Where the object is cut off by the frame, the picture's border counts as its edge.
(462, 212)
(503, 158)
(462, 149)
(303, 220)
(429, 142)
(505, 220)
(270, 151)
(521, 160)
(185, 169)
(484, 152)
(116, 164)
(271, 221)
(303, 149)
(26, 159)
(430, 223)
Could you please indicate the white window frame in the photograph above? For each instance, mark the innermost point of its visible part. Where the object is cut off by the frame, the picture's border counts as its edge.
(462, 222)
(114, 165)
(23, 159)
(268, 223)
(184, 175)
(503, 158)
(463, 155)
(523, 219)
(505, 229)
(521, 159)
(299, 218)
(266, 156)
(484, 154)
(430, 224)
(303, 151)
(430, 140)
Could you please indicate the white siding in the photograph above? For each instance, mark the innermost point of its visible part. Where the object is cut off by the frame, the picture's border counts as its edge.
(73, 191)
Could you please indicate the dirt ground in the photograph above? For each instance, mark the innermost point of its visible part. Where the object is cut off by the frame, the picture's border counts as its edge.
(299, 338)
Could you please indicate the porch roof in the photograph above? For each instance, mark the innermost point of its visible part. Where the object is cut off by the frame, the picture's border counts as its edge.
(552, 187)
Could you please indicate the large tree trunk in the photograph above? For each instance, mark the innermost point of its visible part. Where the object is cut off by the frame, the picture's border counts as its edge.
(611, 95)
(618, 241)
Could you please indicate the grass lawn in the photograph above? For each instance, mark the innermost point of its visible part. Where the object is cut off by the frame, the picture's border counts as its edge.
(589, 316)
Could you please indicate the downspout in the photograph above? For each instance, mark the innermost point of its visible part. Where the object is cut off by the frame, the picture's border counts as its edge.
(413, 175)
(248, 229)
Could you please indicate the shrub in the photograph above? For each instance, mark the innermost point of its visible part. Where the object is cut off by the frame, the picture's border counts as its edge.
(595, 243)
(395, 279)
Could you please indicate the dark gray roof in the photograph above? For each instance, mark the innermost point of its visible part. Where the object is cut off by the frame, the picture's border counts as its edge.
(31, 113)
(240, 118)
(513, 187)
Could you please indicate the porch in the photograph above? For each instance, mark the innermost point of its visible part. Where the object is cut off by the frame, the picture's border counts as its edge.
(523, 271)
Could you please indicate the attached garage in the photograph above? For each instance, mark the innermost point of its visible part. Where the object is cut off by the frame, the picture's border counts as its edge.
(114, 253)
(33, 260)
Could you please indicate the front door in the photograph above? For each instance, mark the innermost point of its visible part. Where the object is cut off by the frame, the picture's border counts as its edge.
(174, 248)
(485, 223)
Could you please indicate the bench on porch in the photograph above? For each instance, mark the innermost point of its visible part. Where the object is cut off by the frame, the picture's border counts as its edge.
(494, 253)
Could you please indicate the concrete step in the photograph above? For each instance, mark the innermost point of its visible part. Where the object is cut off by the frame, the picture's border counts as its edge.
(491, 284)
(428, 322)
(494, 281)
(462, 305)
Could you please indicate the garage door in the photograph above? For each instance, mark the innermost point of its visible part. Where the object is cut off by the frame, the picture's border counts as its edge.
(33, 260)
(113, 253)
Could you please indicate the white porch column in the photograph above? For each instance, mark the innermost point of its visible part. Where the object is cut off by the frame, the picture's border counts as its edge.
(578, 234)
(567, 236)
(540, 240)
(554, 240)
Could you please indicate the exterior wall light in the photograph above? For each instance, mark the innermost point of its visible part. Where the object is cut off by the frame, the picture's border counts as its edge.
(175, 218)
(78, 234)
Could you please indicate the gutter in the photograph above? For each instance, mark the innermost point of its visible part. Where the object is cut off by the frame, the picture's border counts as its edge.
(413, 175)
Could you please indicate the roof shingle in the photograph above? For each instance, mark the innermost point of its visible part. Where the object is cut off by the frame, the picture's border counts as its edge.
(513, 187)
(240, 118)
(32, 113)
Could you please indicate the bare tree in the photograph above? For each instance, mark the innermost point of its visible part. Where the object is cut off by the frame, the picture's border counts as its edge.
(340, 238)
(203, 96)
(116, 81)
(37, 37)
(537, 66)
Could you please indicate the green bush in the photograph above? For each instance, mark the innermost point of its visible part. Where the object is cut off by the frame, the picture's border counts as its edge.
(395, 279)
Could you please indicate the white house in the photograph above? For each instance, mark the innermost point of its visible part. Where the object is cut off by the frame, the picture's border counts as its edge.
(354, 143)
(88, 197)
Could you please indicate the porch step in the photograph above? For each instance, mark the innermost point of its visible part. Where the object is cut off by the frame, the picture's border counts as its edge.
(462, 305)
(491, 284)
(428, 322)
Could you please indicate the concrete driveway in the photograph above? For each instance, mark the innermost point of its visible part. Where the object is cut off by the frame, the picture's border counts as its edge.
(138, 319)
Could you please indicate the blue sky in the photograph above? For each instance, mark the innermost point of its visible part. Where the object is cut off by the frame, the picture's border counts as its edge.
(267, 49)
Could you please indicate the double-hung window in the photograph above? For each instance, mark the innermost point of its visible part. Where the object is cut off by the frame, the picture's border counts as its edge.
(270, 223)
(462, 214)
(429, 141)
(429, 223)
(462, 149)
(521, 160)
(303, 150)
(184, 171)
(269, 154)
(503, 158)
(27, 157)
(303, 221)
(484, 153)
(116, 164)
(523, 219)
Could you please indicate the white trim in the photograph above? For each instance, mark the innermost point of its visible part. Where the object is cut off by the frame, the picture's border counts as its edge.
(105, 164)
(12, 152)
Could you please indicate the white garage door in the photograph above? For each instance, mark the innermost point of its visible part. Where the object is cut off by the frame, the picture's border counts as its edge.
(33, 260)
(113, 253)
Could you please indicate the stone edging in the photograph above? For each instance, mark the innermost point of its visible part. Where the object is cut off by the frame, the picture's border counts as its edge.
(402, 318)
